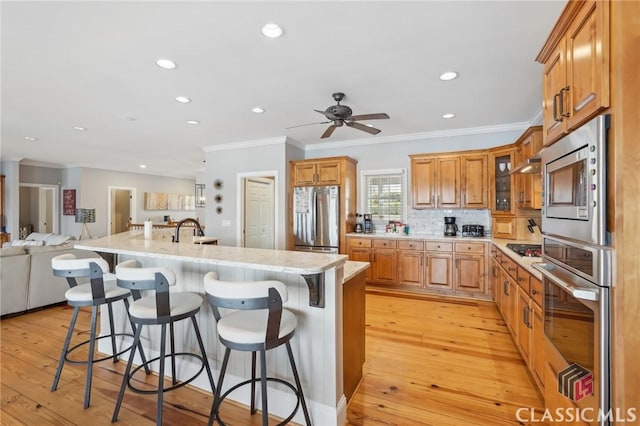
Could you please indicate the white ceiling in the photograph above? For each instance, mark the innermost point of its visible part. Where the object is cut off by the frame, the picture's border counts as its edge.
(92, 64)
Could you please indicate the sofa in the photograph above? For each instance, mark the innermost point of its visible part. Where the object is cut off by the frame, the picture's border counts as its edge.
(26, 278)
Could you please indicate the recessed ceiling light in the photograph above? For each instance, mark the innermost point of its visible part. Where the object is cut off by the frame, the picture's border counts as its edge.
(167, 64)
(30, 138)
(257, 110)
(272, 30)
(183, 99)
(79, 128)
(193, 122)
(449, 75)
(143, 166)
(448, 115)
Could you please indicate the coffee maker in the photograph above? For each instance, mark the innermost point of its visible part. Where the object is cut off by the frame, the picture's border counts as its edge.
(450, 227)
(368, 223)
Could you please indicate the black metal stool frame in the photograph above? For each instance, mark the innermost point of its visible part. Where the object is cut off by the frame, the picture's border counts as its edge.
(163, 317)
(94, 272)
(274, 304)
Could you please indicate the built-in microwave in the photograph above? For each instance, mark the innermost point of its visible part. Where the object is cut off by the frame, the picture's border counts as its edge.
(575, 183)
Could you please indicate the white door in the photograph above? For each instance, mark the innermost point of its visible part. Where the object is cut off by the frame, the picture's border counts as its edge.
(259, 230)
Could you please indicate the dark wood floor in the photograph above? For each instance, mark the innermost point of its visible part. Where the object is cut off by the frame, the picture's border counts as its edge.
(429, 362)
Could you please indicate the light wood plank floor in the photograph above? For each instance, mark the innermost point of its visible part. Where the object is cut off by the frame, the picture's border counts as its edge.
(439, 362)
(429, 362)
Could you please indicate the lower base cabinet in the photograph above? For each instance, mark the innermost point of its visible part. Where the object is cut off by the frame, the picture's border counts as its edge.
(353, 293)
(447, 267)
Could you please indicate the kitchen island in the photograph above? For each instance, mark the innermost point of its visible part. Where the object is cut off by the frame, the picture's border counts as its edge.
(317, 346)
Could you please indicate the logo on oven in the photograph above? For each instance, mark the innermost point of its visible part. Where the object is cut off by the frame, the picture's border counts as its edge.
(575, 382)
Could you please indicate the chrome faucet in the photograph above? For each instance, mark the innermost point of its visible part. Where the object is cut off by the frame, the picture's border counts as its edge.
(176, 237)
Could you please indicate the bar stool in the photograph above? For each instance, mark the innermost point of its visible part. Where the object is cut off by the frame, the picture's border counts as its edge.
(161, 307)
(257, 324)
(98, 292)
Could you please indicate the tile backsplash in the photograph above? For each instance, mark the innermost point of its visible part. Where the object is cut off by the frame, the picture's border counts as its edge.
(431, 221)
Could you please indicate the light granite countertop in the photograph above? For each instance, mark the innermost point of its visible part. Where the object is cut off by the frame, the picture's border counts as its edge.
(523, 261)
(353, 268)
(293, 262)
(398, 236)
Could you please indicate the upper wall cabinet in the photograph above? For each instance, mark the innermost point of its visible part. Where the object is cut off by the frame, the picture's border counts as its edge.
(317, 173)
(449, 181)
(576, 68)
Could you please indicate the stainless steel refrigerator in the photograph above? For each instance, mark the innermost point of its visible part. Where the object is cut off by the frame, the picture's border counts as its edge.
(316, 216)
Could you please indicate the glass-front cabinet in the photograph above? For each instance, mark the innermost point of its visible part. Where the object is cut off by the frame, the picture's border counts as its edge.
(502, 182)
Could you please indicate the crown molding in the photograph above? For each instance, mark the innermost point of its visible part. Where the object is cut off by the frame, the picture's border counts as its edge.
(246, 144)
(420, 136)
(536, 120)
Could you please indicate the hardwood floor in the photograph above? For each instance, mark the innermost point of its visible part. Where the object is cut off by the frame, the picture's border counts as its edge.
(429, 362)
(439, 362)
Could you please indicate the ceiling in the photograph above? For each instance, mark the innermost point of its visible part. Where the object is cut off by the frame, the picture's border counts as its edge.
(92, 64)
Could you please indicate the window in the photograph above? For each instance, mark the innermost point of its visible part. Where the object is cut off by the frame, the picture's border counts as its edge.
(384, 195)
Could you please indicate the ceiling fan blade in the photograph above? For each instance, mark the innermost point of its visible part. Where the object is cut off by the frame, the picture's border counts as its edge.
(328, 115)
(379, 116)
(328, 132)
(364, 128)
(308, 124)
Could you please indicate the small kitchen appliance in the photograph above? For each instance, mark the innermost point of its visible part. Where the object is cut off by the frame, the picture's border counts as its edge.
(368, 223)
(472, 231)
(450, 227)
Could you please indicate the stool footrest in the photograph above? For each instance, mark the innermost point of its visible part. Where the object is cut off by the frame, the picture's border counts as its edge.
(108, 336)
(172, 387)
(257, 380)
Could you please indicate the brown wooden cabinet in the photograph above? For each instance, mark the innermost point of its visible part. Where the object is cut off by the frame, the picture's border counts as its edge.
(317, 173)
(385, 261)
(359, 250)
(439, 270)
(502, 182)
(475, 182)
(435, 181)
(469, 273)
(524, 326)
(528, 193)
(411, 263)
(576, 68)
(339, 171)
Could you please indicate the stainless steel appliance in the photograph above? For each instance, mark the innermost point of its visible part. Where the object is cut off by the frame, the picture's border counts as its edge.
(574, 184)
(576, 279)
(450, 227)
(472, 231)
(316, 217)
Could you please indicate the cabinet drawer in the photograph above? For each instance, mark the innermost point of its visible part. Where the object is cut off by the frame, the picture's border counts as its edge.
(439, 246)
(535, 290)
(411, 245)
(476, 248)
(509, 266)
(390, 244)
(359, 242)
(523, 278)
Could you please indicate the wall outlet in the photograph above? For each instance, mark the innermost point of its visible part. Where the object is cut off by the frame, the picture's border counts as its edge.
(226, 224)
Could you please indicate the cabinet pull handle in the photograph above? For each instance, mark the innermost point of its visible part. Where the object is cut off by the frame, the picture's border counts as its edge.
(555, 107)
(562, 91)
(534, 291)
(520, 279)
(505, 287)
(525, 316)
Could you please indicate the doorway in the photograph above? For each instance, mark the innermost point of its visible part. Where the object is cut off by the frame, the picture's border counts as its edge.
(38, 209)
(258, 210)
(121, 208)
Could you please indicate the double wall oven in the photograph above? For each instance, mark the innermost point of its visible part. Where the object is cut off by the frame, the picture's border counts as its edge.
(577, 260)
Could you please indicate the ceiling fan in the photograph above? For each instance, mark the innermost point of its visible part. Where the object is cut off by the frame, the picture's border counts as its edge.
(342, 115)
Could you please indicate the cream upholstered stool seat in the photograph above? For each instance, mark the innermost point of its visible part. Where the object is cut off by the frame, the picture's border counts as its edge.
(161, 307)
(257, 323)
(101, 290)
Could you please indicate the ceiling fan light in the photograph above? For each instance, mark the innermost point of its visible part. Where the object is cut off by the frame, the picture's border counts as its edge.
(449, 75)
(272, 30)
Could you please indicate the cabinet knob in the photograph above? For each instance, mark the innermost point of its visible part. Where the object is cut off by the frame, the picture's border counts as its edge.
(438, 246)
(534, 292)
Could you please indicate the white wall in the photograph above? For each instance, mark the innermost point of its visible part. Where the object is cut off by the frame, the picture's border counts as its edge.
(225, 165)
(11, 170)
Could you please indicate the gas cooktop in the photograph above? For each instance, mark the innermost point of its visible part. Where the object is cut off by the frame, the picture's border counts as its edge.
(529, 250)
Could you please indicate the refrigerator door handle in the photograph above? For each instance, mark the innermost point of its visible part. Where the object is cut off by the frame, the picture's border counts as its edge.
(314, 218)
